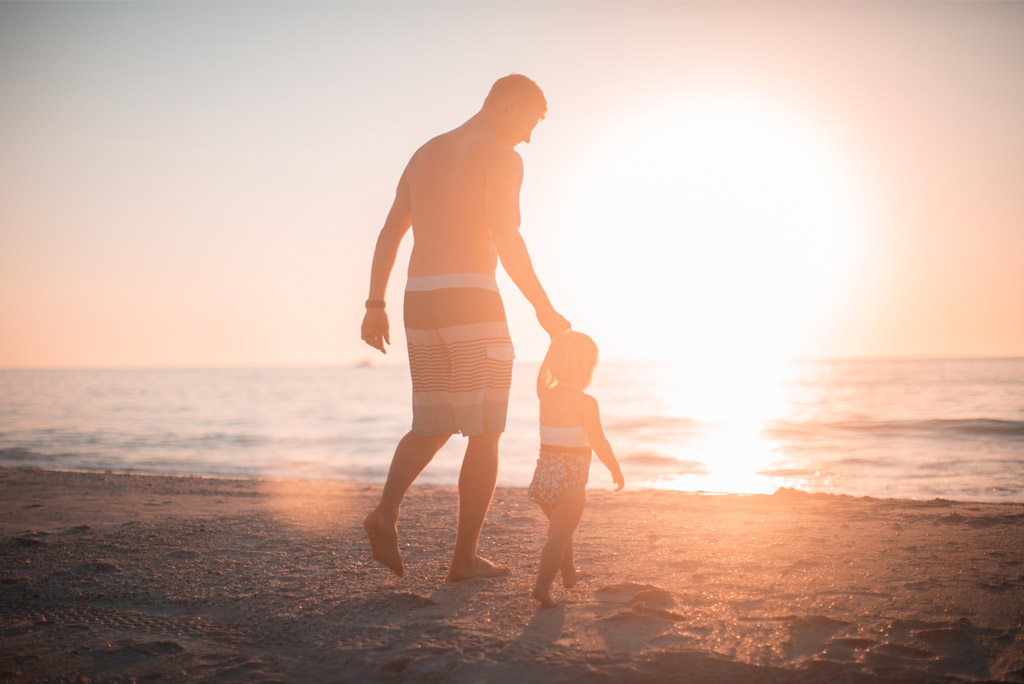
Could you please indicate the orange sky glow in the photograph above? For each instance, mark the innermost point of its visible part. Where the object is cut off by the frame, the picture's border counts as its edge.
(190, 184)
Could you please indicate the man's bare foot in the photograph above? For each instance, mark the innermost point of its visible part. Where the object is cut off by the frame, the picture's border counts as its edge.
(384, 542)
(544, 598)
(480, 567)
(569, 576)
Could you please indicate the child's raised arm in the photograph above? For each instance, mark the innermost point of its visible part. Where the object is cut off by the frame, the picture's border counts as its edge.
(595, 434)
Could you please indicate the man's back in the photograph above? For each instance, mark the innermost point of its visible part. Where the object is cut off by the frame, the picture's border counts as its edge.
(447, 181)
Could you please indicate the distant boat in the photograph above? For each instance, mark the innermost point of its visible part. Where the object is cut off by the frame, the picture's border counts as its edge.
(364, 363)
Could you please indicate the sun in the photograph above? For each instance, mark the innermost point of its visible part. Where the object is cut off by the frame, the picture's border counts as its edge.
(714, 228)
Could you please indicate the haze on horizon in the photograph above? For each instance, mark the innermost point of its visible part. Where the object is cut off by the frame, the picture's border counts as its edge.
(193, 184)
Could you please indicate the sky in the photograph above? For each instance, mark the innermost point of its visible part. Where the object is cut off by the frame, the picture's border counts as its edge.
(201, 184)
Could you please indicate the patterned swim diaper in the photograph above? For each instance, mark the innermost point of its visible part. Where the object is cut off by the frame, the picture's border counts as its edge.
(558, 471)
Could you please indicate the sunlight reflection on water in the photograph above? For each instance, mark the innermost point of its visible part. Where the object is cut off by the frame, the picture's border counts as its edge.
(913, 429)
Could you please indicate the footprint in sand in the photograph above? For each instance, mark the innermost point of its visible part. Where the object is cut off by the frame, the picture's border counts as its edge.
(852, 642)
(643, 609)
(623, 591)
(673, 642)
(902, 651)
(639, 600)
(943, 637)
(819, 622)
(652, 597)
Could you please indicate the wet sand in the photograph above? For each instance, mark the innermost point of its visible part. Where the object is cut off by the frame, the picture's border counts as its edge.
(120, 578)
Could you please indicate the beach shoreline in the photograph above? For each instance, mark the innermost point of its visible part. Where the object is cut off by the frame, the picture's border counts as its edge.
(127, 576)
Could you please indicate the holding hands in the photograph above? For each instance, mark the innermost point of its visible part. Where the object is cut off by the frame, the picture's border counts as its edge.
(552, 321)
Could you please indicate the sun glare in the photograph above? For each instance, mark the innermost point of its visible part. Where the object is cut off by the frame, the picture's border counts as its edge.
(734, 402)
(725, 225)
(718, 233)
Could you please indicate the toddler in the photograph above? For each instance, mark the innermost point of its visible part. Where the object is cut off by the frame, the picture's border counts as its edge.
(570, 427)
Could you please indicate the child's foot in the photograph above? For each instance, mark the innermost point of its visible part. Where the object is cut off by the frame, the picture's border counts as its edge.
(544, 598)
(569, 577)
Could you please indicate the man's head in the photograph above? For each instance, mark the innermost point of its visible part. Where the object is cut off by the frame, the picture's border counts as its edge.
(517, 105)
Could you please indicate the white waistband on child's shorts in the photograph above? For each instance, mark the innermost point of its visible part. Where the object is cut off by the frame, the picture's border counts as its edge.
(484, 281)
(568, 436)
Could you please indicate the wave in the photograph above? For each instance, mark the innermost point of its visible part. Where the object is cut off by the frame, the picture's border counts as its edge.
(935, 427)
(669, 424)
(50, 440)
(20, 456)
(649, 458)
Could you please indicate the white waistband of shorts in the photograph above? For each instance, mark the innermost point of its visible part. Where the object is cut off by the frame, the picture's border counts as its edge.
(439, 282)
(570, 436)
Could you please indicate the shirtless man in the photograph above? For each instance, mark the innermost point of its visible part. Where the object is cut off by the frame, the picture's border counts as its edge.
(460, 195)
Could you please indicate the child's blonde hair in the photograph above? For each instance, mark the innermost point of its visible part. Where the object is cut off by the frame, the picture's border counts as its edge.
(570, 362)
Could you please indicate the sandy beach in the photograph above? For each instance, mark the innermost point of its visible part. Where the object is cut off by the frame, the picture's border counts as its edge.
(120, 578)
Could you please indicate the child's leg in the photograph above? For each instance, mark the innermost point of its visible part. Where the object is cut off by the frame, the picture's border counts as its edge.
(564, 517)
(568, 567)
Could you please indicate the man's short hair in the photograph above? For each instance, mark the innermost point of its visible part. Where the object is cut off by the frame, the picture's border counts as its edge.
(516, 86)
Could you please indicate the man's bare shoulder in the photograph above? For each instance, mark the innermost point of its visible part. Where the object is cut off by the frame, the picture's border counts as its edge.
(500, 158)
(427, 149)
(464, 145)
(499, 152)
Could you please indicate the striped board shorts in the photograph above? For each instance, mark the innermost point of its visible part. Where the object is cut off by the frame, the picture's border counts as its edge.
(460, 354)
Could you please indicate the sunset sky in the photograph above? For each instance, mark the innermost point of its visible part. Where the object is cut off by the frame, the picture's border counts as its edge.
(201, 184)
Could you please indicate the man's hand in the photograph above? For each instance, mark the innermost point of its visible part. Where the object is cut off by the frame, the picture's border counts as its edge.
(552, 321)
(376, 331)
(618, 479)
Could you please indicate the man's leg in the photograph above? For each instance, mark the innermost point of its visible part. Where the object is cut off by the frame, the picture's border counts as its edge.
(476, 487)
(412, 455)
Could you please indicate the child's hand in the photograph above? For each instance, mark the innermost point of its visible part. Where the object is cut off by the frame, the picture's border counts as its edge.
(617, 478)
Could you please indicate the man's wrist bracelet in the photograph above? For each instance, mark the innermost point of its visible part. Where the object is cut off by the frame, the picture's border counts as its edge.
(374, 303)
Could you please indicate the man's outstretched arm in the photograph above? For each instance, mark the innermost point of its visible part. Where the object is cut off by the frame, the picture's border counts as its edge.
(376, 329)
(503, 218)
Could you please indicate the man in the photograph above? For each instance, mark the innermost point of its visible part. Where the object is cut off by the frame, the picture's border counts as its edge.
(460, 195)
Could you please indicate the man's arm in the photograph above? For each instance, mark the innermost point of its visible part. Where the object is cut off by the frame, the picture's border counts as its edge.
(376, 329)
(504, 180)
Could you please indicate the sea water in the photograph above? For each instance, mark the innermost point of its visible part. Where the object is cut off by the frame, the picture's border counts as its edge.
(919, 429)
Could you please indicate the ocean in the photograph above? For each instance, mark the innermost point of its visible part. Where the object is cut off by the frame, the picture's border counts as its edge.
(918, 429)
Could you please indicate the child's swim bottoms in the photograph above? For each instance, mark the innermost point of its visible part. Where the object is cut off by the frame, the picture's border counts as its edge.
(558, 471)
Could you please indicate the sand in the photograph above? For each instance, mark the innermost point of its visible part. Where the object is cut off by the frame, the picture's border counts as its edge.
(119, 578)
